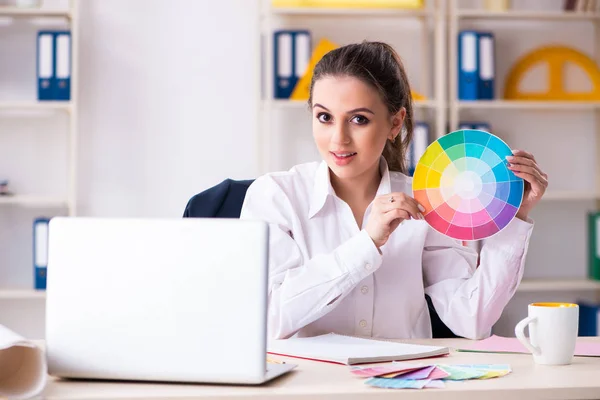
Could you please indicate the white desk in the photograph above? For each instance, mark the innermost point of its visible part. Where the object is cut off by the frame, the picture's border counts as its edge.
(313, 380)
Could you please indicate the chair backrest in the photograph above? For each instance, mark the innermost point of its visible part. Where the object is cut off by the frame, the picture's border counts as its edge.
(225, 200)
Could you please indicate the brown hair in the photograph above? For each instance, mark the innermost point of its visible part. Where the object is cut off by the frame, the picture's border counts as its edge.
(376, 64)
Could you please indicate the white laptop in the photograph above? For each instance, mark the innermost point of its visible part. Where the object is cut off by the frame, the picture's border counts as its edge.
(181, 300)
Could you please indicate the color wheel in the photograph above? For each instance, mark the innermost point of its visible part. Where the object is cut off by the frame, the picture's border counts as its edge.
(464, 184)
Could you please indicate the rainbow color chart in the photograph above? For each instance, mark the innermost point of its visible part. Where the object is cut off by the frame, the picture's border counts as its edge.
(464, 184)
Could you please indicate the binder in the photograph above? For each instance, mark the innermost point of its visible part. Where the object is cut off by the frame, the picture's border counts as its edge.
(418, 145)
(593, 245)
(468, 65)
(478, 125)
(45, 65)
(62, 44)
(292, 50)
(40, 252)
(589, 318)
(487, 70)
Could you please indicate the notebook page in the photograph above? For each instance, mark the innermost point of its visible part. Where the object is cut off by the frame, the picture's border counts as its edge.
(340, 348)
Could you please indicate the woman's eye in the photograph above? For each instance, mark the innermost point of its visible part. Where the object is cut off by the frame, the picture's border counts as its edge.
(360, 120)
(324, 117)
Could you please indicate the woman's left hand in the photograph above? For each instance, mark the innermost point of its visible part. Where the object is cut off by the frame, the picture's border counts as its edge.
(524, 166)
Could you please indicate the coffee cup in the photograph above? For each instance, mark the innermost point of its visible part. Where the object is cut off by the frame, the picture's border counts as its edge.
(553, 331)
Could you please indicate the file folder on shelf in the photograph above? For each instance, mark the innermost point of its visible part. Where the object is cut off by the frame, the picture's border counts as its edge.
(45, 65)
(486, 66)
(40, 252)
(62, 41)
(468, 65)
(292, 50)
(593, 245)
(478, 125)
(418, 145)
(589, 318)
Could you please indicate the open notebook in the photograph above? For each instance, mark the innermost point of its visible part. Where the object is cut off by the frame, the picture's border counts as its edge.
(351, 350)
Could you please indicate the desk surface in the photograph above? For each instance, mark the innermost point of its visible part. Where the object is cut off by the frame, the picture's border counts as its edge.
(316, 380)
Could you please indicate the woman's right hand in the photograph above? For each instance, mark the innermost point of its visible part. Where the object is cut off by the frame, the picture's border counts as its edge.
(387, 214)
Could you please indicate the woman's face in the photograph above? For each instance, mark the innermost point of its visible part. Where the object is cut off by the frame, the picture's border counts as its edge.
(351, 125)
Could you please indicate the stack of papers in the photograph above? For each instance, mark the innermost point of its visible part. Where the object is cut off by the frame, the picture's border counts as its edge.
(401, 375)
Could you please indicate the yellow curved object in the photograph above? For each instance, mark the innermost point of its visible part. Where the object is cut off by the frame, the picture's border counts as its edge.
(417, 96)
(556, 57)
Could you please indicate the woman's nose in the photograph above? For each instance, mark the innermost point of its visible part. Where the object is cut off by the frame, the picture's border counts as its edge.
(340, 135)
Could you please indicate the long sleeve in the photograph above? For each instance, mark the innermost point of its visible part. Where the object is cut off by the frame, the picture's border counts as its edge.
(470, 298)
(303, 290)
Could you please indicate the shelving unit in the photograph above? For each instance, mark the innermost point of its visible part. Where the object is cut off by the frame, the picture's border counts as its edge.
(11, 11)
(22, 294)
(29, 113)
(332, 12)
(34, 201)
(556, 285)
(505, 112)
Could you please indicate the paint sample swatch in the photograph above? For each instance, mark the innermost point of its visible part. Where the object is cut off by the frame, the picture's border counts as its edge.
(464, 184)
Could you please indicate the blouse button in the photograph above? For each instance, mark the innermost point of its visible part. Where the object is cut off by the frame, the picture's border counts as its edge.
(364, 289)
(363, 324)
(368, 267)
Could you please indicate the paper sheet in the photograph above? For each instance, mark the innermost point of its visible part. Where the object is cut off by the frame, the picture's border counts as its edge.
(500, 344)
(23, 367)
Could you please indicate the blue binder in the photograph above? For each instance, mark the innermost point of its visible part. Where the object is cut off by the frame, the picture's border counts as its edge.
(292, 50)
(479, 125)
(589, 314)
(40, 252)
(62, 45)
(45, 65)
(487, 70)
(418, 145)
(468, 65)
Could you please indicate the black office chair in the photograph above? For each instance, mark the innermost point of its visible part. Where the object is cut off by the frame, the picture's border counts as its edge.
(225, 200)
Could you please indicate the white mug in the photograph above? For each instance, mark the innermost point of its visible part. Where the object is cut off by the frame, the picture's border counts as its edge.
(553, 331)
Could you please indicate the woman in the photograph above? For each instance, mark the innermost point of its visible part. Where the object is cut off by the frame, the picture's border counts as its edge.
(349, 250)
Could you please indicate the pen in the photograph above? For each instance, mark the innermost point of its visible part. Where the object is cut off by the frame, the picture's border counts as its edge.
(272, 361)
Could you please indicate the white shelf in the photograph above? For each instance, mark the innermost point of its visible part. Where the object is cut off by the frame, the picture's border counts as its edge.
(527, 105)
(570, 195)
(277, 103)
(559, 285)
(351, 12)
(33, 201)
(33, 12)
(36, 105)
(538, 15)
(13, 294)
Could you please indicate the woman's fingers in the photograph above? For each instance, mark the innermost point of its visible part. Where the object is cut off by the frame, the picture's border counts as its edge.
(408, 204)
(532, 171)
(396, 213)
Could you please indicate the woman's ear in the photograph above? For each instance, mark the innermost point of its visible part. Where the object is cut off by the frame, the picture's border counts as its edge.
(397, 120)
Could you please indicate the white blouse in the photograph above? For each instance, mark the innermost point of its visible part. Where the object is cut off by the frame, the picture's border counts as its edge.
(326, 274)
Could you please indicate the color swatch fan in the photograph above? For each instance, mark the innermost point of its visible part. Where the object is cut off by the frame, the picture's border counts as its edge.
(464, 184)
